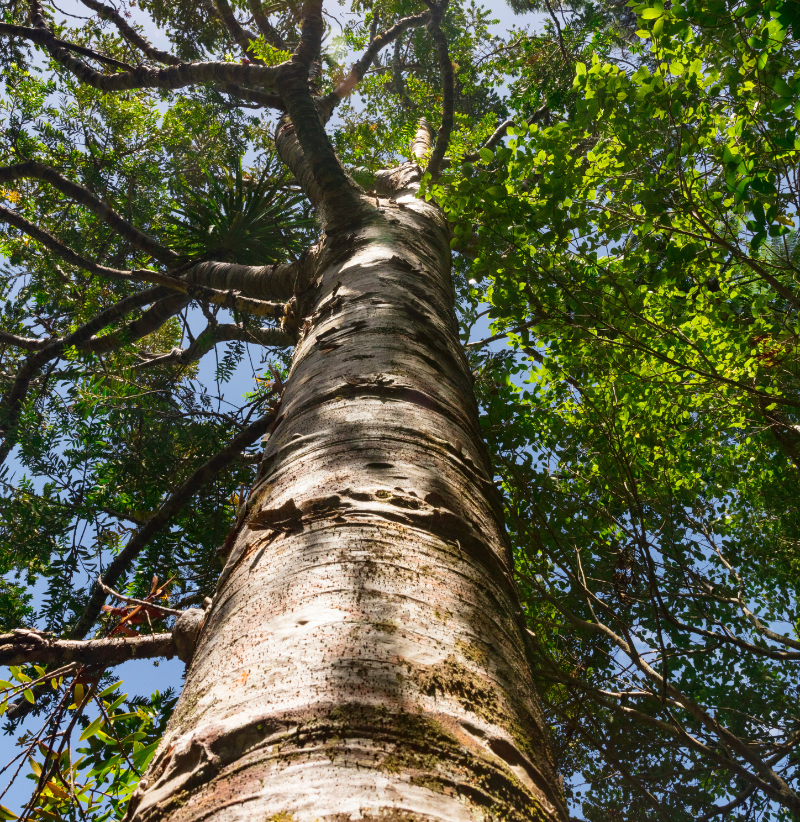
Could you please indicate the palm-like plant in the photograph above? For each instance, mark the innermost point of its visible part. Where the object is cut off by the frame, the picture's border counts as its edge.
(240, 218)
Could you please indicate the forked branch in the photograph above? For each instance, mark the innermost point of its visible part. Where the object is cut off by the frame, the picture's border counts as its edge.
(141, 77)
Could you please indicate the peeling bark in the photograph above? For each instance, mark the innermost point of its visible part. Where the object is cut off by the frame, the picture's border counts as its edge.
(365, 654)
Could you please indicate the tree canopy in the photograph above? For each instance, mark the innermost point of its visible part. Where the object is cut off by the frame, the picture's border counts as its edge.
(622, 189)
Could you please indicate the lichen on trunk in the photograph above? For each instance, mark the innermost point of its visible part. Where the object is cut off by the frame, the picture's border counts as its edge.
(365, 654)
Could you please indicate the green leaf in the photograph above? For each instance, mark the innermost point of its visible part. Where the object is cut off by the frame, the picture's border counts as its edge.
(142, 757)
(110, 689)
(92, 728)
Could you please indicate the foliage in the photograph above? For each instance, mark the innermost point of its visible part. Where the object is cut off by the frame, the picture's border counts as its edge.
(640, 257)
(248, 220)
(634, 237)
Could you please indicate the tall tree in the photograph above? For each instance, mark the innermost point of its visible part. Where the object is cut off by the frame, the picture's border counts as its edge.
(626, 209)
(364, 650)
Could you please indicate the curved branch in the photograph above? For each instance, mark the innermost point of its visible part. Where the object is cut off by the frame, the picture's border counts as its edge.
(43, 37)
(249, 95)
(179, 76)
(321, 172)
(161, 519)
(150, 321)
(288, 147)
(215, 334)
(270, 33)
(448, 100)
(361, 66)
(228, 299)
(130, 33)
(23, 647)
(236, 30)
(81, 195)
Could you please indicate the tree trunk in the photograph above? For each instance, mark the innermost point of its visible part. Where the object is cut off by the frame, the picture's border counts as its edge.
(365, 654)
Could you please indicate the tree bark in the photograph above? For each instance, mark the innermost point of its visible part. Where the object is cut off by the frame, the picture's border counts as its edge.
(365, 654)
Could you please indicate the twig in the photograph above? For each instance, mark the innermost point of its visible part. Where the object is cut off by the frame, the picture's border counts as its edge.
(134, 601)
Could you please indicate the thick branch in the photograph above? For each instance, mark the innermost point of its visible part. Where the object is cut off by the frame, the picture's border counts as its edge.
(23, 647)
(288, 147)
(149, 322)
(180, 76)
(43, 37)
(229, 299)
(26, 343)
(84, 197)
(130, 33)
(270, 33)
(281, 281)
(336, 192)
(249, 95)
(448, 100)
(239, 34)
(161, 519)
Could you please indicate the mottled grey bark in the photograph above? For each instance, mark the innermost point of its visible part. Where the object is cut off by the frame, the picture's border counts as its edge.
(365, 654)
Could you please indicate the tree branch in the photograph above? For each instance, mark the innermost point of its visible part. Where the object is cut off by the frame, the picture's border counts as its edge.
(270, 33)
(241, 36)
(24, 647)
(228, 299)
(770, 782)
(259, 98)
(280, 281)
(179, 76)
(26, 343)
(501, 131)
(134, 601)
(81, 195)
(329, 186)
(150, 321)
(44, 37)
(215, 334)
(160, 520)
(558, 30)
(448, 99)
(361, 66)
(130, 33)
